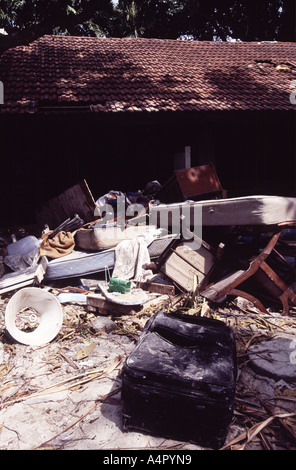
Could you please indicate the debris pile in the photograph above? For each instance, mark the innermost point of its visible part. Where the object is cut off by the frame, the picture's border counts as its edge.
(100, 269)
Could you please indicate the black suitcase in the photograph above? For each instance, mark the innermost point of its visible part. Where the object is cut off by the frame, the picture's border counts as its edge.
(179, 381)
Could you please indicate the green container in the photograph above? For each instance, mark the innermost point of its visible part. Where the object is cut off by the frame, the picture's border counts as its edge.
(118, 285)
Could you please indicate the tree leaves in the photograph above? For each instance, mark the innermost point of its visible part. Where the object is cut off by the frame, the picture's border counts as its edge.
(189, 19)
(207, 19)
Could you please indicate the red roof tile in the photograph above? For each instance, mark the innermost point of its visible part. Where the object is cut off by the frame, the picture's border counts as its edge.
(111, 75)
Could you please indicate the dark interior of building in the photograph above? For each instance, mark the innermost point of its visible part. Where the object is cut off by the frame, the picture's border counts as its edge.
(42, 156)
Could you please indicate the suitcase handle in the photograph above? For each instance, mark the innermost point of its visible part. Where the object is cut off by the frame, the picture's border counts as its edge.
(186, 341)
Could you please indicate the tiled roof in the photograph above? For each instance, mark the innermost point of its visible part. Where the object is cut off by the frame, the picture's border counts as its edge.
(115, 75)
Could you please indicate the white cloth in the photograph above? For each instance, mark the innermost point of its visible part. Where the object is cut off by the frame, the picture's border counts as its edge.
(131, 256)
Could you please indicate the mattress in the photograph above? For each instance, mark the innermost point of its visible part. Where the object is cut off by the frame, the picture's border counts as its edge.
(81, 263)
(240, 211)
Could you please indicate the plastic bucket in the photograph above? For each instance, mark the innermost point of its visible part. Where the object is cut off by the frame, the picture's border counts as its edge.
(41, 308)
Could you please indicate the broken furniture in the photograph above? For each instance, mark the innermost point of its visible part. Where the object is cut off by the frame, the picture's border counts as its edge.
(262, 274)
(254, 215)
(192, 183)
(186, 259)
(190, 261)
(179, 381)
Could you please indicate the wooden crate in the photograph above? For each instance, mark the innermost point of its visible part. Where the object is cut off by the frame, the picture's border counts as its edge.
(184, 259)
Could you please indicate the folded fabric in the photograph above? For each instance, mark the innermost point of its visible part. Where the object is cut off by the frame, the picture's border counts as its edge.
(60, 245)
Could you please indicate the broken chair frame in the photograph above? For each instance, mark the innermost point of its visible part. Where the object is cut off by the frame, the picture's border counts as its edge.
(229, 285)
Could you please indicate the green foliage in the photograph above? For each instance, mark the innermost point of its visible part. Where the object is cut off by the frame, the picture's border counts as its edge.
(246, 20)
(38, 17)
(194, 19)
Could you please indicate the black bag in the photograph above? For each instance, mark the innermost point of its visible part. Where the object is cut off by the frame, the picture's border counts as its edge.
(179, 381)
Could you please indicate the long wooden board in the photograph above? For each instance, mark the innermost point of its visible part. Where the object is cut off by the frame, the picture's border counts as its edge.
(105, 307)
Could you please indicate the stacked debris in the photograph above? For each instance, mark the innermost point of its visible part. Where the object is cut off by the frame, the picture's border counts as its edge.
(183, 246)
(185, 237)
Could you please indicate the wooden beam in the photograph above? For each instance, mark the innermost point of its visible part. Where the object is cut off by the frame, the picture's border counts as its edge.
(157, 287)
(106, 307)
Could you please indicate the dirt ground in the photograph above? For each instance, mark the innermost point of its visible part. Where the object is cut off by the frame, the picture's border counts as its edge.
(66, 395)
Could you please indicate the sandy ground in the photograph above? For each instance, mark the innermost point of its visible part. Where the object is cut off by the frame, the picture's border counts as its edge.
(66, 395)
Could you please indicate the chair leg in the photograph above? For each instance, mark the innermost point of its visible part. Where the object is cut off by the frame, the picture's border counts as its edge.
(251, 298)
(287, 293)
(285, 297)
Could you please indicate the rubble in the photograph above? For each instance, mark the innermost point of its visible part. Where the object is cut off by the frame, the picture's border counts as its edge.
(239, 269)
